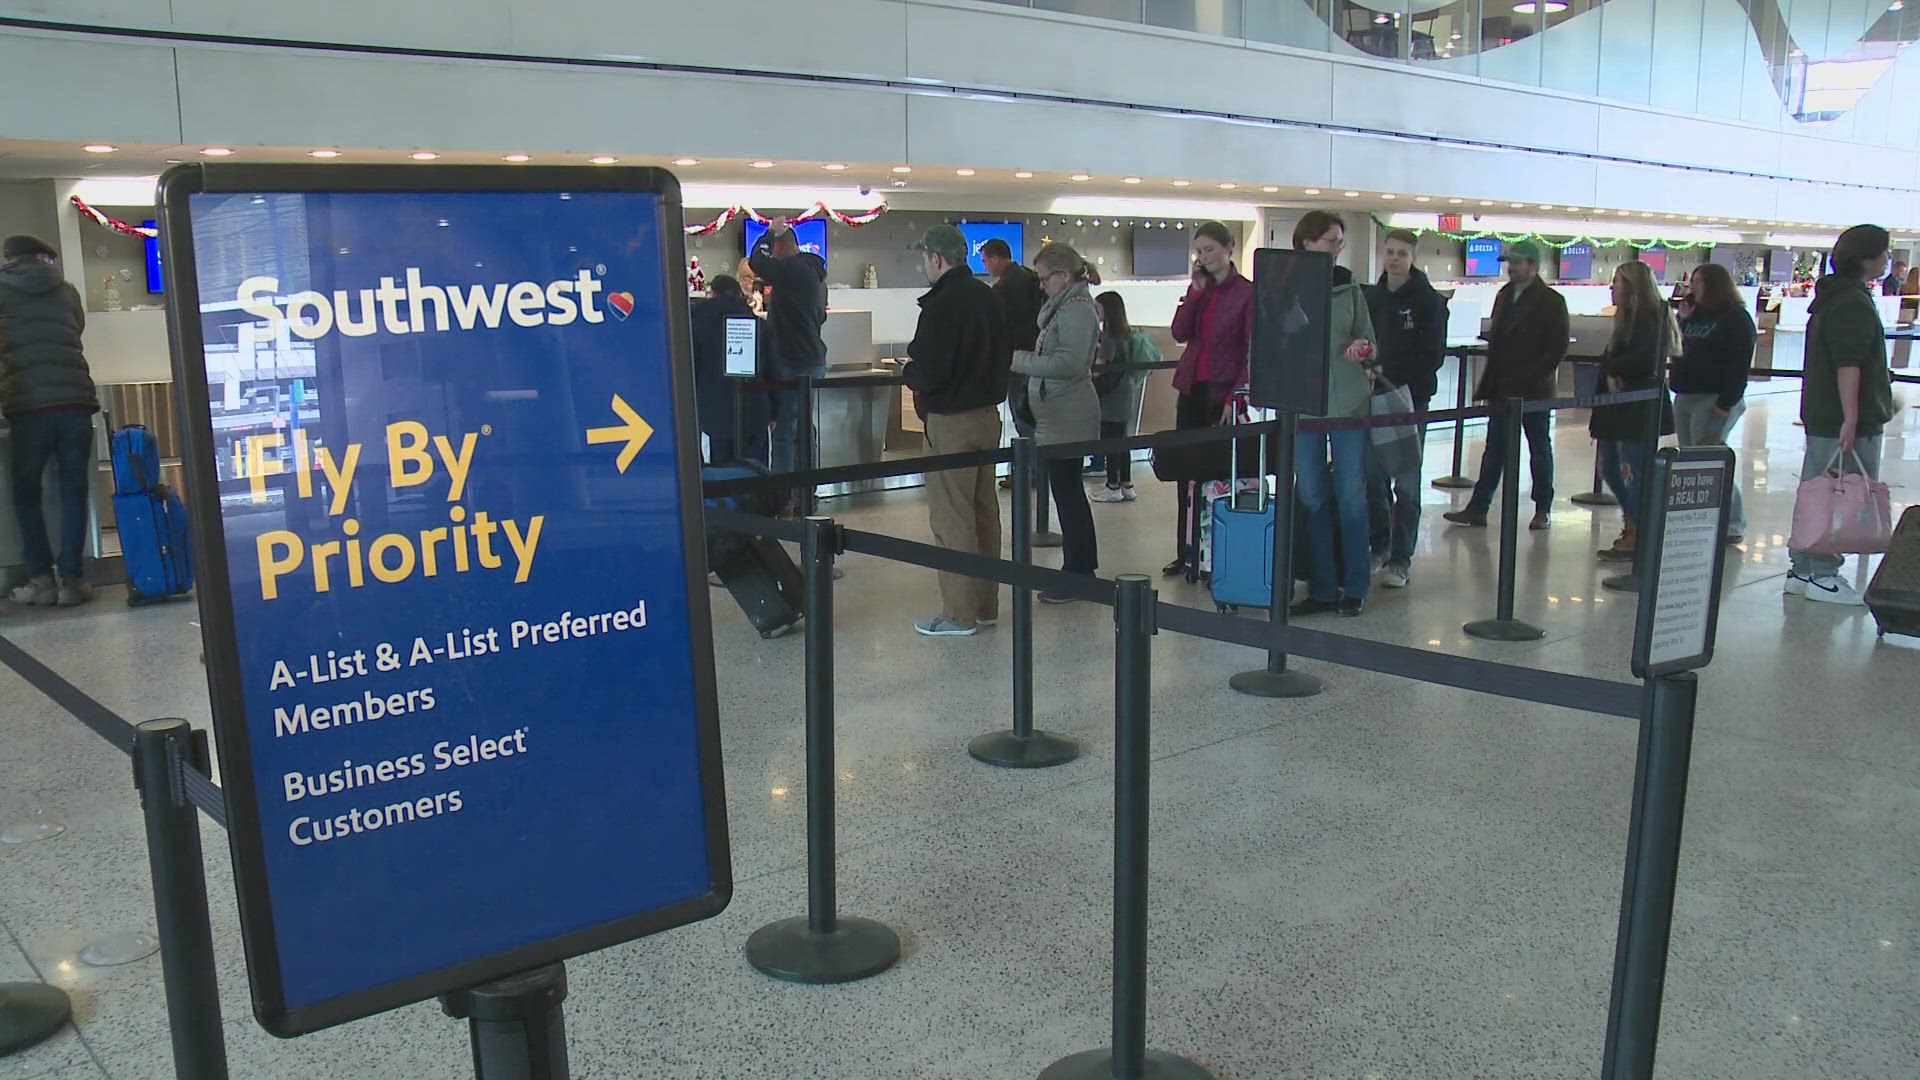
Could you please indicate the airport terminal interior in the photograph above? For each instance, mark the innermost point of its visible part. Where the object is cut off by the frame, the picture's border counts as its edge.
(1416, 874)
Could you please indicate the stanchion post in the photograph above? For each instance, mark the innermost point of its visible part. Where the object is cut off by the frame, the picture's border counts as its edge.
(1128, 1058)
(515, 1025)
(1462, 378)
(821, 946)
(162, 751)
(1022, 747)
(1503, 626)
(1653, 860)
(1274, 680)
(804, 450)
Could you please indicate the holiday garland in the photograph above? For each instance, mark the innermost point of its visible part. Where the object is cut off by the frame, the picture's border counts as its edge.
(112, 223)
(1542, 238)
(819, 209)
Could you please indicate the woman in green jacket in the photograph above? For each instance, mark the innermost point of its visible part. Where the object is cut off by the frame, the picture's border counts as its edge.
(1330, 467)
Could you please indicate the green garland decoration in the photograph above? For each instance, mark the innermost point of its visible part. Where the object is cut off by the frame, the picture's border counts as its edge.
(1542, 238)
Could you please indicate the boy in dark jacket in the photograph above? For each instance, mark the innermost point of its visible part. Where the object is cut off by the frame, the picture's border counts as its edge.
(1410, 327)
(1525, 345)
(958, 364)
(796, 313)
(47, 394)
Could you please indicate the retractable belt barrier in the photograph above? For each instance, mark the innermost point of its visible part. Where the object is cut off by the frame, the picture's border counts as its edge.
(1800, 373)
(848, 382)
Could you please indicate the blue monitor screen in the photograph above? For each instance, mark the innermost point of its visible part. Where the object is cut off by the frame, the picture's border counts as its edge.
(811, 234)
(1483, 257)
(153, 260)
(1576, 262)
(979, 232)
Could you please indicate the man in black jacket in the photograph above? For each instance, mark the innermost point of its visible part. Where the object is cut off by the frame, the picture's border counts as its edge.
(47, 394)
(796, 314)
(1410, 325)
(958, 366)
(723, 398)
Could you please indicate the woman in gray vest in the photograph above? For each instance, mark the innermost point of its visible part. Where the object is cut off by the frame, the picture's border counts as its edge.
(1059, 372)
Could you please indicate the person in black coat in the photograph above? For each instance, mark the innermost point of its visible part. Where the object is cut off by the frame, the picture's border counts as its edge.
(1410, 324)
(1644, 338)
(715, 391)
(796, 311)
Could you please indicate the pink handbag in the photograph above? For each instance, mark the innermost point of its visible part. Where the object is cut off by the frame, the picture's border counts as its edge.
(1842, 513)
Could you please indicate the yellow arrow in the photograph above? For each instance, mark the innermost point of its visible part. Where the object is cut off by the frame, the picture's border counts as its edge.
(634, 432)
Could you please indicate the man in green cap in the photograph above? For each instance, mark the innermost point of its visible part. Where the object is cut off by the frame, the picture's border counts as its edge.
(1526, 341)
(957, 369)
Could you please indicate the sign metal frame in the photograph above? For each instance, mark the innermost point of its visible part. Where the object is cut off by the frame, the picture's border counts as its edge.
(1667, 464)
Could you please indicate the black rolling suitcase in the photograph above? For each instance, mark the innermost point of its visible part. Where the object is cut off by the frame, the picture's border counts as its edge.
(1894, 594)
(755, 570)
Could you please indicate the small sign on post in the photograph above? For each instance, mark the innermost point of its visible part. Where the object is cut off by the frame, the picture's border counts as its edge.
(1684, 557)
(743, 353)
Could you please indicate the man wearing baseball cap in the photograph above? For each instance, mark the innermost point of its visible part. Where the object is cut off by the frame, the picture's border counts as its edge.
(48, 396)
(1526, 341)
(958, 363)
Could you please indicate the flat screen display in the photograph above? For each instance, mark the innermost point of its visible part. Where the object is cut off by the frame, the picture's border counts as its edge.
(1161, 253)
(1483, 256)
(979, 232)
(1779, 265)
(811, 234)
(1656, 260)
(1576, 262)
(153, 261)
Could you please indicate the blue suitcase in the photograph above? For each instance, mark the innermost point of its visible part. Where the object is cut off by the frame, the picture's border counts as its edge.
(153, 524)
(1242, 540)
(136, 460)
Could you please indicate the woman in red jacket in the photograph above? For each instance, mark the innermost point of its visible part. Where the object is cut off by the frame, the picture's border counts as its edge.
(1215, 323)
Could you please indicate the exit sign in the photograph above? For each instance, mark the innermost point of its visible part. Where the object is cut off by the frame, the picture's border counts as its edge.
(1449, 222)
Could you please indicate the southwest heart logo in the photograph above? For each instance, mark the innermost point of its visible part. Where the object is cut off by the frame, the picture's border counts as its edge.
(621, 303)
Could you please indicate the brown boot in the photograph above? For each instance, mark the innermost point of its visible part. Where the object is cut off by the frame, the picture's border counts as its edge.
(1622, 549)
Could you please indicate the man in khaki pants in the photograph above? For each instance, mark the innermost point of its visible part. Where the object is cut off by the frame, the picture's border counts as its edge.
(957, 368)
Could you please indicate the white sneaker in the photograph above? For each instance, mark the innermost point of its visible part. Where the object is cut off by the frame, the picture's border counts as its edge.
(1395, 576)
(1111, 495)
(1127, 493)
(1831, 590)
(1795, 585)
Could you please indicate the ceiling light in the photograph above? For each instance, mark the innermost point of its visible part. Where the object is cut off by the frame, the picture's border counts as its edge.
(1423, 198)
(834, 166)
(1750, 221)
(217, 151)
(424, 155)
(99, 148)
(1388, 195)
(1546, 206)
(686, 162)
(603, 159)
(903, 169)
(1080, 178)
(323, 153)
(1270, 188)
(763, 163)
(1130, 180)
(1526, 7)
(1456, 202)
(1023, 175)
(517, 158)
(1182, 183)
(1381, 19)
(1310, 191)
(963, 172)
(1516, 205)
(1351, 194)
(1228, 186)
(1486, 202)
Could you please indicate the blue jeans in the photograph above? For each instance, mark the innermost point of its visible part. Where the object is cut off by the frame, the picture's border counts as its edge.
(1538, 429)
(64, 437)
(788, 404)
(1326, 489)
(1622, 465)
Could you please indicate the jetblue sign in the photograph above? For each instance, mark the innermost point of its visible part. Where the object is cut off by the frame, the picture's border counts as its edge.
(444, 481)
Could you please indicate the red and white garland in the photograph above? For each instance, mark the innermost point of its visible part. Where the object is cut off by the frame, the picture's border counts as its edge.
(819, 209)
(112, 223)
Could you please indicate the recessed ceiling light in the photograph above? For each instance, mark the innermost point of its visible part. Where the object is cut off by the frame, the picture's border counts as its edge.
(686, 162)
(1182, 183)
(963, 172)
(1080, 178)
(99, 148)
(1351, 194)
(1271, 188)
(834, 166)
(763, 163)
(517, 158)
(1310, 191)
(323, 153)
(1423, 198)
(1486, 202)
(1388, 195)
(1516, 205)
(603, 159)
(1228, 186)
(217, 151)
(1546, 206)
(424, 155)
(1023, 175)
(1456, 202)
(903, 169)
(1130, 180)
(1750, 221)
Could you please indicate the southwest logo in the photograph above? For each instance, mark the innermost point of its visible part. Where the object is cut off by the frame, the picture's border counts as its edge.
(621, 304)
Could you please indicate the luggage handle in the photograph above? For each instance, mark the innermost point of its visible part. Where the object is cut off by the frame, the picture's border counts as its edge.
(1242, 397)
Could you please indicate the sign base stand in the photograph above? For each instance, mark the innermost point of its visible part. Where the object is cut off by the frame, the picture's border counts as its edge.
(1595, 497)
(1011, 750)
(29, 1014)
(792, 950)
(1098, 1065)
(1622, 582)
(516, 1026)
(1276, 684)
(1504, 630)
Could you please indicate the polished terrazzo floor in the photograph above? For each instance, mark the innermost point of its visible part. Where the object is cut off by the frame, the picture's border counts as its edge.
(1388, 881)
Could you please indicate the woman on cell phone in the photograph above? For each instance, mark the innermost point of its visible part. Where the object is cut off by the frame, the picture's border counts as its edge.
(1215, 323)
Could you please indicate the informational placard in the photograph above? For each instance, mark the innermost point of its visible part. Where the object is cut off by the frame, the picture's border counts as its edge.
(743, 347)
(1292, 330)
(456, 617)
(1685, 556)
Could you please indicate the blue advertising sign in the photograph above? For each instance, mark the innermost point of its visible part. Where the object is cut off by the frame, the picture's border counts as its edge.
(456, 615)
(979, 232)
